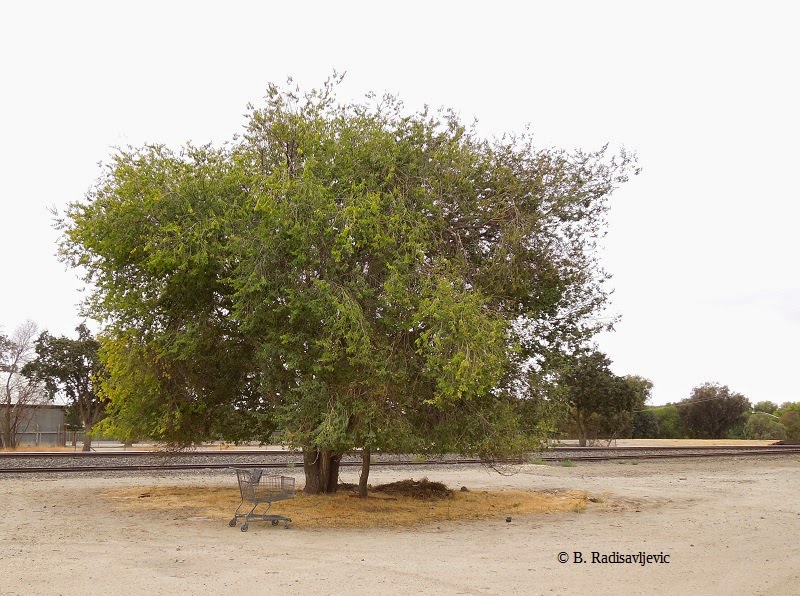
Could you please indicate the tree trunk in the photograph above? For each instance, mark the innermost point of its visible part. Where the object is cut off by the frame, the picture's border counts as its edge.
(362, 481)
(7, 431)
(322, 472)
(87, 437)
(582, 435)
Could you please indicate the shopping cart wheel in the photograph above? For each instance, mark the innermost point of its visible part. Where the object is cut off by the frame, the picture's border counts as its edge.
(274, 522)
(232, 523)
(244, 527)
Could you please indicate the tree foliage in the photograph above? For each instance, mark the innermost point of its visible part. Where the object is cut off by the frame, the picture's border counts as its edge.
(790, 419)
(645, 425)
(789, 416)
(350, 274)
(712, 411)
(670, 425)
(763, 427)
(767, 407)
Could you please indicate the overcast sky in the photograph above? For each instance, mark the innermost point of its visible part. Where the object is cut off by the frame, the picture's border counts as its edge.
(702, 245)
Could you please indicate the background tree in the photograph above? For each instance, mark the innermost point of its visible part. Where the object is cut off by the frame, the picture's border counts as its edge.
(789, 416)
(767, 407)
(350, 274)
(71, 367)
(670, 424)
(763, 426)
(712, 411)
(790, 420)
(641, 421)
(645, 425)
(20, 394)
(599, 401)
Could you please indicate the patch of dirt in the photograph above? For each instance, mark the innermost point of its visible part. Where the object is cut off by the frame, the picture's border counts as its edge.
(728, 526)
(423, 489)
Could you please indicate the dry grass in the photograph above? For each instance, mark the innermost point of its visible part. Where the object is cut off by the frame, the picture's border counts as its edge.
(346, 510)
(684, 443)
(38, 448)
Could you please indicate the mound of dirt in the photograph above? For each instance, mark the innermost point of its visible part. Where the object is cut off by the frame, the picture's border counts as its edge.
(423, 489)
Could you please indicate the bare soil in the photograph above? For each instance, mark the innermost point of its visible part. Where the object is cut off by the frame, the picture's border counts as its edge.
(728, 526)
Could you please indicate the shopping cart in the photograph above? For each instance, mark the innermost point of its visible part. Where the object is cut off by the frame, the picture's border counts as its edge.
(259, 488)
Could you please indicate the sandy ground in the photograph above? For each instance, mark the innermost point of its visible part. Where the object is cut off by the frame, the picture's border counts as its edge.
(727, 527)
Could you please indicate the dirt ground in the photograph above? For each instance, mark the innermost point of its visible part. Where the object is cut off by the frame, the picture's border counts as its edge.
(726, 526)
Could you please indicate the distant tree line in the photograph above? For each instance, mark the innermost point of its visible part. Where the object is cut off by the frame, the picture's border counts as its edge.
(713, 411)
(586, 401)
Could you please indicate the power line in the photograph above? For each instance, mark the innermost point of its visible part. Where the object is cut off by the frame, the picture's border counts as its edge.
(683, 403)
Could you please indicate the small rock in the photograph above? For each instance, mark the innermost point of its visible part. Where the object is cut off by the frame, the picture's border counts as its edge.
(464, 489)
(508, 519)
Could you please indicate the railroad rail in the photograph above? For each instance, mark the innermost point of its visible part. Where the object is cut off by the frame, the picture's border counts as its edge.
(150, 461)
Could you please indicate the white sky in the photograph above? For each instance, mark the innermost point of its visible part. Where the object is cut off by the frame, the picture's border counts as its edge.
(702, 245)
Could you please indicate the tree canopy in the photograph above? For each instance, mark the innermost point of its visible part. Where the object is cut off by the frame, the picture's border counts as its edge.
(348, 273)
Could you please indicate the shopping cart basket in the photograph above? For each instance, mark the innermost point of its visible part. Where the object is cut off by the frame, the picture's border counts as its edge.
(259, 488)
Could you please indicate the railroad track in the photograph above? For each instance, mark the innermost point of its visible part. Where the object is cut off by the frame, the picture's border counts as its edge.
(148, 461)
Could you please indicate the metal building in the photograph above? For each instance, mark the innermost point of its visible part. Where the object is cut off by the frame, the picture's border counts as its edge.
(42, 426)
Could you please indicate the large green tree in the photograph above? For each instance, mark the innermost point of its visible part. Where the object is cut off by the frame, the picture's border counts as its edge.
(351, 274)
(71, 367)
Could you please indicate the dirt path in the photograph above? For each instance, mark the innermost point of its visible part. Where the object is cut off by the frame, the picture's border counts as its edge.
(727, 527)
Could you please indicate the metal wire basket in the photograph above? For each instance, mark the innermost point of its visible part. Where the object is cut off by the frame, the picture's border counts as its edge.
(258, 488)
